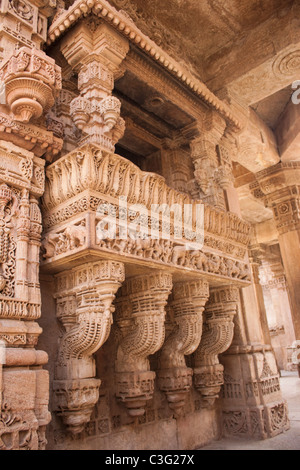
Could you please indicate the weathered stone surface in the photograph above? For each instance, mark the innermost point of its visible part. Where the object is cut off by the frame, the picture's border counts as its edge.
(149, 221)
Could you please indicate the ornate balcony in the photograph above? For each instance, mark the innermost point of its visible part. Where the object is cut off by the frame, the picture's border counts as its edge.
(90, 190)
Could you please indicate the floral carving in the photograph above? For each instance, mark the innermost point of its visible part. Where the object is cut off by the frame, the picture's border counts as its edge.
(31, 80)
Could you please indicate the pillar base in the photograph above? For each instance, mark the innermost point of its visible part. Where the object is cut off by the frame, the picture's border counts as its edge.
(261, 422)
(134, 390)
(252, 403)
(75, 400)
(176, 384)
(208, 381)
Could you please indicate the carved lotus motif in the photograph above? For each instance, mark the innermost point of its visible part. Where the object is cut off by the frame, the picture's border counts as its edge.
(28, 98)
(31, 81)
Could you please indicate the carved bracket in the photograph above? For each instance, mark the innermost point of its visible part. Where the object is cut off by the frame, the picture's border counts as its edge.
(174, 377)
(216, 338)
(140, 317)
(84, 306)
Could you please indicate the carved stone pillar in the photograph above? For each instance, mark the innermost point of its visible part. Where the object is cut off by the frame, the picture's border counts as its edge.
(280, 184)
(274, 290)
(30, 80)
(227, 150)
(95, 51)
(216, 338)
(84, 306)
(174, 377)
(140, 312)
(177, 167)
(20, 304)
(206, 160)
(252, 403)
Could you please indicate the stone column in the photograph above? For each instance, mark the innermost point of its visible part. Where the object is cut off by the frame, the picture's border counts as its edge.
(280, 184)
(177, 167)
(95, 51)
(252, 403)
(216, 338)
(84, 299)
(274, 288)
(30, 80)
(255, 261)
(174, 377)
(140, 310)
(24, 387)
(227, 150)
(206, 160)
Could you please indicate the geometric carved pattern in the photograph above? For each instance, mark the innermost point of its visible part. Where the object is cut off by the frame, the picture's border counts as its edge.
(174, 377)
(84, 305)
(140, 316)
(216, 338)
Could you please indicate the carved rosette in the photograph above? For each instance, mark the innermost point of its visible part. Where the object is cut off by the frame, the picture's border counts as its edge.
(84, 306)
(216, 338)
(140, 317)
(174, 377)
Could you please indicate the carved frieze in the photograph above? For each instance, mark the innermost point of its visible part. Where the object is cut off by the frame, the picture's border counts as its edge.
(92, 180)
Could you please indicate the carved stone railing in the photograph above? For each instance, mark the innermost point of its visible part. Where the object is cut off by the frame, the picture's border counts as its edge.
(216, 338)
(89, 186)
(84, 299)
(174, 377)
(140, 310)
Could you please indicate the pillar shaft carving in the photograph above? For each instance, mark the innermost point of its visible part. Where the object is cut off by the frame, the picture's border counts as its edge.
(206, 160)
(96, 54)
(174, 377)
(280, 185)
(84, 299)
(21, 185)
(216, 338)
(140, 317)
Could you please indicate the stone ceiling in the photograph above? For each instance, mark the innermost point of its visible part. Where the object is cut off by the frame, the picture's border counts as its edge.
(220, 40)
(247, 52)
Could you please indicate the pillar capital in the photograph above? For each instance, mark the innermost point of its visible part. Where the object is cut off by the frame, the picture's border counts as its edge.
(280, 185)
(95, 51)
